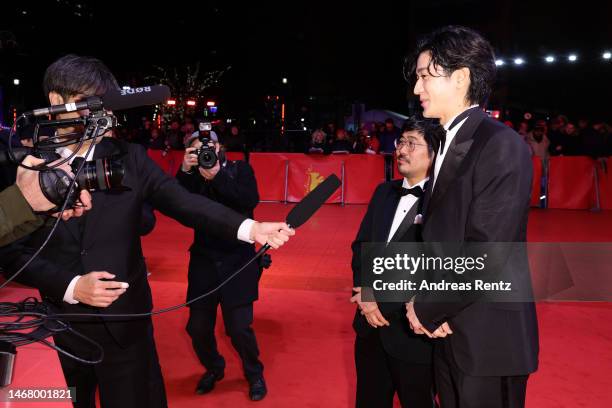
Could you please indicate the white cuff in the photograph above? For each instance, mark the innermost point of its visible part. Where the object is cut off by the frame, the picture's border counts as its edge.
(69, 295)
(244, 232)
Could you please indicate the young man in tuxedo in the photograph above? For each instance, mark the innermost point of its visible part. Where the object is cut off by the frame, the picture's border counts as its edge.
(212, 261)
(389, 358)
(480, 190)
(94, 263)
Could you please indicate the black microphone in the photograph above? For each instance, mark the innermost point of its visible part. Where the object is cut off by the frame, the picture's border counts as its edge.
(111, 100)
(309, 205)
(313, 201)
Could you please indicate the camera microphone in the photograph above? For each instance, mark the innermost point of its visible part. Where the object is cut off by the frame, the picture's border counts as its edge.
(111, 100)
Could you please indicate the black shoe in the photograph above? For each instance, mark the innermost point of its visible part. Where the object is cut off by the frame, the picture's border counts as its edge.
(207, 382)
(257, 389)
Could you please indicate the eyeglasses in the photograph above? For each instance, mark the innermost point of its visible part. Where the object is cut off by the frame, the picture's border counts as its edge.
(409, 143)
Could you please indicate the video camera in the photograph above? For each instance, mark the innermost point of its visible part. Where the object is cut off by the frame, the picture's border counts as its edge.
(96, 175)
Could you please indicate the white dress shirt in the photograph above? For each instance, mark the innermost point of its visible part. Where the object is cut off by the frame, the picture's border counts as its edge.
(450, 136)
(404, 205)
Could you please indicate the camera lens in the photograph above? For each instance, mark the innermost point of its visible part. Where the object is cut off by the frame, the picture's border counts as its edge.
(101, 174)
(207, 158)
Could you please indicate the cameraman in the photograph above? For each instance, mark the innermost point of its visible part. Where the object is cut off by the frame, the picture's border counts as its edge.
(233, 184)
(19, 202)
(94, 264)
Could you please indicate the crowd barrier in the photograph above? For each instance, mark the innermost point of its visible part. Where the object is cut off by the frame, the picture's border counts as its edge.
(562, 182)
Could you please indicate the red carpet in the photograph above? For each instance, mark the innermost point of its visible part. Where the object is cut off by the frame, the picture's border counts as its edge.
(303, 319)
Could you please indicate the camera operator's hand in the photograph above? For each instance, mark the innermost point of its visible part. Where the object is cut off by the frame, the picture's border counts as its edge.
(85, 201)
(273, 233)
(210, 174)
(189, 159)
(89, 289)
(29, 185)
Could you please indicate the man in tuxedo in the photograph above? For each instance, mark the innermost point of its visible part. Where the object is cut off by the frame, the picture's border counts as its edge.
(389, 358)
(480, 193)
(96, 261)
(212, 261)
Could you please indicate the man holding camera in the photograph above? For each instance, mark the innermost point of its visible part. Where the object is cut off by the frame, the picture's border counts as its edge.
(96, 261)
(20, 202)
(205, 171)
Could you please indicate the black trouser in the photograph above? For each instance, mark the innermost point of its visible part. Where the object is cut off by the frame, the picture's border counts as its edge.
(128, 376)
(380, 376)
(238, 321)
(459, 390)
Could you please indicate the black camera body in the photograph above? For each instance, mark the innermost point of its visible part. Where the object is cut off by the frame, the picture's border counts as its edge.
(96, 175)
(207, 157)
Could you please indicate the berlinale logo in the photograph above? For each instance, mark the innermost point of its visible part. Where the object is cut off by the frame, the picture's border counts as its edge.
(313, 179)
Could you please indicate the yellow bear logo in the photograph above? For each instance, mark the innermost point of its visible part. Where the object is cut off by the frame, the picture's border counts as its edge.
(313, 179)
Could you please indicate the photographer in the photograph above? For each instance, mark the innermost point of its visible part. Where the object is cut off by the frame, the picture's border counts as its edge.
(19, 202)
(233, 184)
(96, 261)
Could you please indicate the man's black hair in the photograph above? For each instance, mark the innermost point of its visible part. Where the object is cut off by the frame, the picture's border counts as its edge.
(431, 130)
(72, 75)
(456, 47)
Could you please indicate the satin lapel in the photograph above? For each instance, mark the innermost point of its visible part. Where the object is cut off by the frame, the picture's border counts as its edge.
(407, 222)
(385, 214)
(456, 153)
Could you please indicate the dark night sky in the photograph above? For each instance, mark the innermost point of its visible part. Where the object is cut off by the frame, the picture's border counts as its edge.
(331, 50)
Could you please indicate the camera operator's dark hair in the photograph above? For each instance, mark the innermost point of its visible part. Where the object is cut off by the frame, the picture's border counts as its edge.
(431, 130)
(72, 74)
(456, 47)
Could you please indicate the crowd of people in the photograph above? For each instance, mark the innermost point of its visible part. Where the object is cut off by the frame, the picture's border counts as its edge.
(558, 136)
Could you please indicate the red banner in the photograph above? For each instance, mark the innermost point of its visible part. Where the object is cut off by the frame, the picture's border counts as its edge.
(234, 156)
(270, 171)
(536, 186)
(570, 183)
(362, 173)
(307, 172)
(175, 159)
(604, 171)
(160, 157)
(168, 161)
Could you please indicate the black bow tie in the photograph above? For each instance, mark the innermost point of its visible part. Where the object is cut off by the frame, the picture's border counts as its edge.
(455, 122)
(415, 191)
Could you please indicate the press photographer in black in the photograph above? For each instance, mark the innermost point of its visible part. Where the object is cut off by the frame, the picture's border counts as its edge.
(94, 263)
(206, 171)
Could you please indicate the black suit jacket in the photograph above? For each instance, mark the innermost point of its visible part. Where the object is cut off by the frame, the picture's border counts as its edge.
(397, 338)
(213, 260)
(107, 238)
(482, 195)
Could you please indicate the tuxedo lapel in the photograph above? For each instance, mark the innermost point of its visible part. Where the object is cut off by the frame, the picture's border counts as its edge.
(385, 214)
(407, 222)
(105, 148)
(457, 151)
